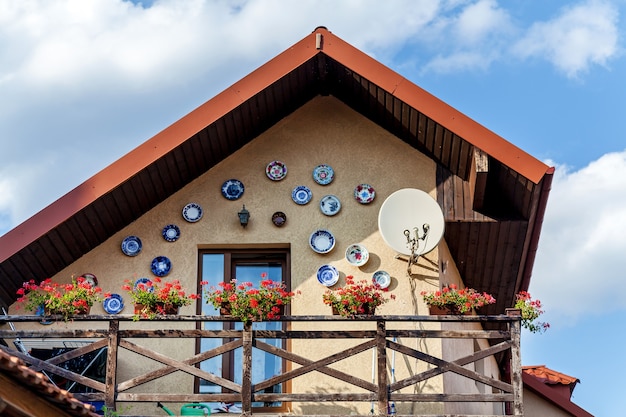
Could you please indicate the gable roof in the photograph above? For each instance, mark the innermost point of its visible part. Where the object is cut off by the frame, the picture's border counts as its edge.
(492, 193)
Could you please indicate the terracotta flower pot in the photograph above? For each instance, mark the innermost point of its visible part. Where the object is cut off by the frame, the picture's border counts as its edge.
(368, 311)
(445, 311)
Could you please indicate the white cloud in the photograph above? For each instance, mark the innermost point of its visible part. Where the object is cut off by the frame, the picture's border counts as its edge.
(583, 35)
(581, 257)
(473, 37)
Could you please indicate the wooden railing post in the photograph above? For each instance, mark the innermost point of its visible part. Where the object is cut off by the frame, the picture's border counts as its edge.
(516, 361)
(246, 377)
(381, 353)
(111, 367)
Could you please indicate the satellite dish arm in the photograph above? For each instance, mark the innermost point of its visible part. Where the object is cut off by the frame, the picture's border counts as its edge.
(413, 244)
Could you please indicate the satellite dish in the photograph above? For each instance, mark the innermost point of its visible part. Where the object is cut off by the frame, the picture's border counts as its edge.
(411, 222)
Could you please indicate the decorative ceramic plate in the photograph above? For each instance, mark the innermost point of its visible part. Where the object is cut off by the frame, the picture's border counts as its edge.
(322, 241)
(276, 170)
(327, 275)
(330, 205)
(192, 212)
(41, 312)
(146, 283)
(357, 255)
(171, 233)
(279, 218)
(364, 193)
(232, 189)
(161, 266)
(90, 279)
(301, 194)
(381, 278)
(323, 174)
(131, 246)
(114, 304)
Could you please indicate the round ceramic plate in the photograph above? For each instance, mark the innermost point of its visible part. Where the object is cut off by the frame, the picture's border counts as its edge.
(279, 218)
(322, 241)
(327, 275)
(301, 194)
(357, 255)
(90, 279)
(41, 313)
(171, 233)
(161, 266)
(131, 246)
(276, 170)
(330, 205)
(114, 304)
(192, 212)
(232, 189)
(323, 174)
(364, 193)
(146, 283)
(381, 278)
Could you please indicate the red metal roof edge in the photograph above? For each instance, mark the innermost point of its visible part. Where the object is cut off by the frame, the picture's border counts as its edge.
(537, 225)
(470, 130)
(531, 382)
(17, 370)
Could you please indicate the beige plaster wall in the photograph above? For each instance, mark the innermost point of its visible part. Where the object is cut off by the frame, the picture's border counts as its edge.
(324, 131)
(536, 406)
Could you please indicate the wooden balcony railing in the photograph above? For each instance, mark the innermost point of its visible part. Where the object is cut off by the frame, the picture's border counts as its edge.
(384, 338)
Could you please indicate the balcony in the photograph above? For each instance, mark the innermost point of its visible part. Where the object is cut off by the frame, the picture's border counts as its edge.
(390, 339)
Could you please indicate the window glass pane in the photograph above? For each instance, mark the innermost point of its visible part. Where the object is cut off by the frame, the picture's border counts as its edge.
(213, 273)
(246, 267)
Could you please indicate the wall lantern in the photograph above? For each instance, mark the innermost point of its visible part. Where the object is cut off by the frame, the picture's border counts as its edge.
(244, 216)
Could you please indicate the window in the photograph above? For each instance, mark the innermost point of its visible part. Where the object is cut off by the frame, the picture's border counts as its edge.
(244, 265)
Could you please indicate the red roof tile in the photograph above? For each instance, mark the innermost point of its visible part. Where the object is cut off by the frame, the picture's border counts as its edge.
(15, 369)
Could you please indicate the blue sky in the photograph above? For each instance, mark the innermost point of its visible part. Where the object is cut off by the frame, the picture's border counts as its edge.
(82, 83)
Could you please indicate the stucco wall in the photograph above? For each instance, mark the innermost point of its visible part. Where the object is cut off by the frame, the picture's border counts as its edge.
(536, 406)
(324, 131)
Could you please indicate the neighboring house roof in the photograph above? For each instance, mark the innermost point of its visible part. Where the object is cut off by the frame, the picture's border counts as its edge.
(553, 386)
(492, 193)
(18, 380)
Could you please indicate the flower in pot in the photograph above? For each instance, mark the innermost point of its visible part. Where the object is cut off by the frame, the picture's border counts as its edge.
(247, 303)
(452, 300)
(531, 310)
(67, 300)
(156, 296)
(356, 297)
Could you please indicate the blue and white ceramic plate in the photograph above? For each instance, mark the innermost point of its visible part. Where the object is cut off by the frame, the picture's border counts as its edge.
(322, 241)
(381, 278)
(327, 275)
(364, 193)
(301, 194)
(276, 170)
(192, 212)
(232, 189)
(131, 246)
(171, 233)
(41, 312)
(330, 205)
(161, 266)
(357, 255)
(146, 283)
(323, 174)
(114, 304)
